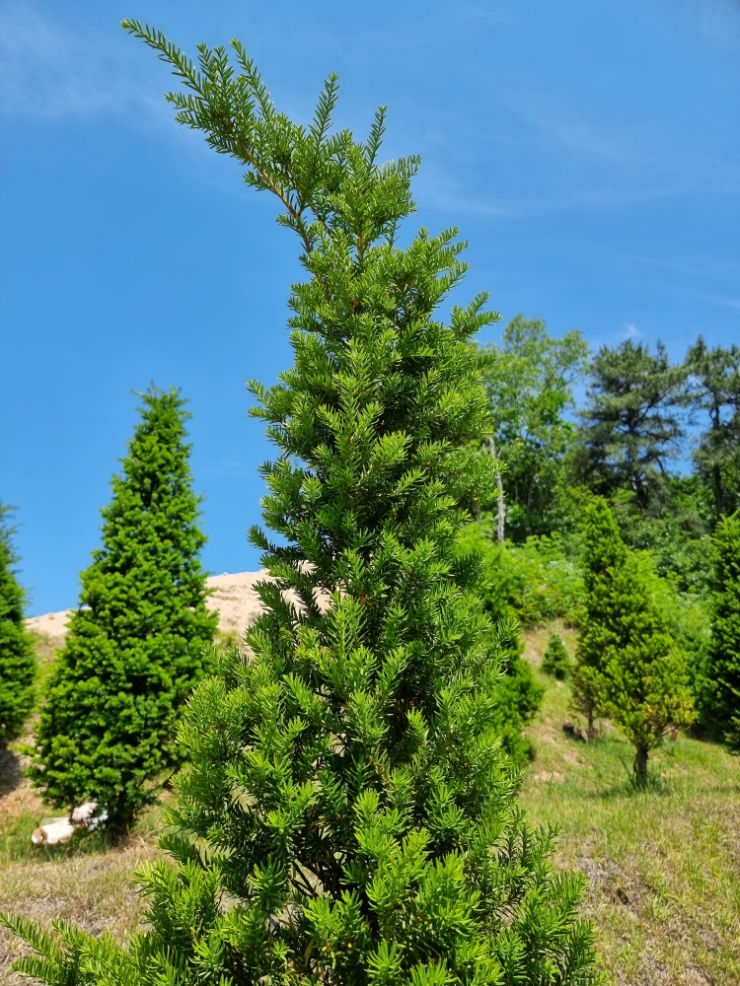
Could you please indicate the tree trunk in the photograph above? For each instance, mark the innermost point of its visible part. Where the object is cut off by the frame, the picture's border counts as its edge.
(641, 764)
(591, 731)
(500, 533)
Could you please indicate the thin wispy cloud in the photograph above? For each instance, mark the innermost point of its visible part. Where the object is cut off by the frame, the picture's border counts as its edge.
(632, 152)
(631, 331)
(438, 189)
(723, 301)
(50, 73)
(718, 20)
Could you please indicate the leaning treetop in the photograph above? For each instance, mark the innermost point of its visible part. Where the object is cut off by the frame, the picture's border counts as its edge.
(346, 815)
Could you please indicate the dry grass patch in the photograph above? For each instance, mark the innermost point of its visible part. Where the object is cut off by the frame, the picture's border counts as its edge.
(93, 886)
(662, 865)
(95, 890)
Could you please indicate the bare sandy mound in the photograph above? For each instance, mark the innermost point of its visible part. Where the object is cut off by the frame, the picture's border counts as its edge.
(50, 624)
(234, 597)
(236, 600)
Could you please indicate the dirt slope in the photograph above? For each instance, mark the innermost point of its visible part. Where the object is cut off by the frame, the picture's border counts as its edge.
(234, 597)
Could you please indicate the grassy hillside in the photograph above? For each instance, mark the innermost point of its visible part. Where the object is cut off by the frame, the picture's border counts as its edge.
(662, 865)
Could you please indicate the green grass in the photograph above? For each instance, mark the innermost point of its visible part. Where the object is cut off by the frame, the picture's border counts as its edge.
(662, 865)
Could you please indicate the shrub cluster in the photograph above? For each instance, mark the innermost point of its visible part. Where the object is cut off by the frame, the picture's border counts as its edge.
(534, 582)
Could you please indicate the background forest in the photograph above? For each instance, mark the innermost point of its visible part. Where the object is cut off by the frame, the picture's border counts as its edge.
(659, 441)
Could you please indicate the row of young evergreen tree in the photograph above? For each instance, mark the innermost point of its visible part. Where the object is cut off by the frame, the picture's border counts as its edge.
(346, 806)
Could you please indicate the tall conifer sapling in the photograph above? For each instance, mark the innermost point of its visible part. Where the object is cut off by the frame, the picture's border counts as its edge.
(647, 685)
(136, 644)
(628, 666)
(346, 815)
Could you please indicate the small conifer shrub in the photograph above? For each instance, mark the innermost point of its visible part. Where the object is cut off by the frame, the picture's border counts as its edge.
(603, 557)
(136, 643)
(346, 815)
(555, 660)
(17, 658)
(720, 684)
(647, 684)
(629, 667)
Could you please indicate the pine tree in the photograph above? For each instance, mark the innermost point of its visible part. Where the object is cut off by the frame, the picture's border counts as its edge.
(628, 667)
(346, 814)
(714, 376)
(555, 660)
(720, 686)
(630, 426)
(17, 658)
(136, 643)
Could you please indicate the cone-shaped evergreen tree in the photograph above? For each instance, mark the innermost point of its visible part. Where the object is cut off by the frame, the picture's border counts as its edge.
(628, 666)
(17, 659)
(604, 556)
(347, 816)
(136, 644)
(647, 685)
(555, 660)
(720, 691)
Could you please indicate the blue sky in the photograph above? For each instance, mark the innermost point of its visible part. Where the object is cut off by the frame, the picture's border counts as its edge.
(590, 153)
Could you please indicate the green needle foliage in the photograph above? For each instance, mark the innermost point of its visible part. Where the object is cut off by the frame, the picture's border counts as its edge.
(136, 644)
(604, 556)
(555, 660)
(720, 684)
(347, 814)
(648, 693)
(17, 659)
(628, 667)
